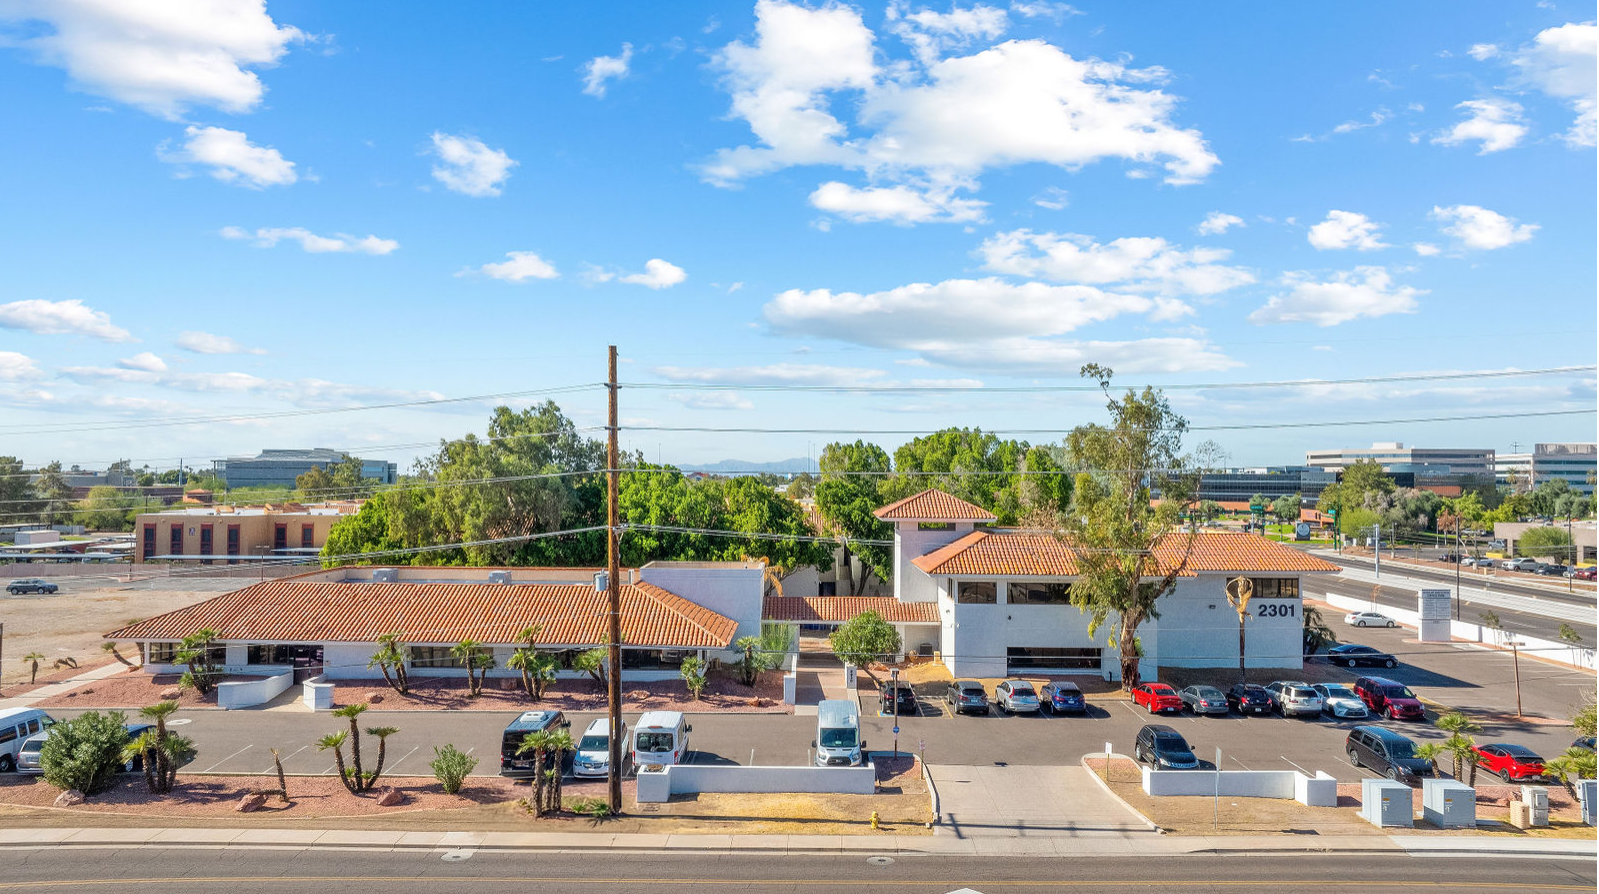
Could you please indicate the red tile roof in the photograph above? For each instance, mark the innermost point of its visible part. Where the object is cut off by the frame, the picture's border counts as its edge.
(570, 614)
(934, 505)
(817, 609)
(1043, 555)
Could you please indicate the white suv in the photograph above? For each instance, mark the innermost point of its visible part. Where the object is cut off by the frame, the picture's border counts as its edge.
(1294, 697)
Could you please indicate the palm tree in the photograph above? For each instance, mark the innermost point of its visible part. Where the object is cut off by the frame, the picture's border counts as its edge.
(195, 651)
(1573, 763)
(1462, 749)
(350, 713)
(469, 653)
(1459, 726)
(382, 733)
(160, 765)
(1430, 752)
(548, 746)
(335, 742)
(537, 671)
(390, 656)
(33, 658)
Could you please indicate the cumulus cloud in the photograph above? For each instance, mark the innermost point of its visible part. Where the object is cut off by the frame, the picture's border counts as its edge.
(1139, 264)
(206, 343)
(231, 157)
(1347, 295)
(602, 69)
(658, 274)
(144, 360)
(1561, 62)
(467, 166)
(71, 317)
(1481, 51)
(519, 266)
(716, 400)
(1476, 227)
(339, 242)
(1496, 124)
(1217, 223)
(899, 204)
(163, 57)
(1426, 249)
(309, 393)
(1347, 229)
(15, 367)
(940, 121)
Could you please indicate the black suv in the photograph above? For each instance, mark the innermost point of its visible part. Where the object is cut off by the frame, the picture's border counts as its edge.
(901, 693)
(515, 764)
(30, 585)
(1388, 753)
(967, 695)
(1164, 747)
(1247, 698)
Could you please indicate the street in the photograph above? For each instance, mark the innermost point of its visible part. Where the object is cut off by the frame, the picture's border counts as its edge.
(296, 870)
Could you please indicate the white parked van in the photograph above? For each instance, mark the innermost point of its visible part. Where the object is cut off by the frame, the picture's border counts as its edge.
(838, 733)
(593, 757)
(660, 739)
(16, 725)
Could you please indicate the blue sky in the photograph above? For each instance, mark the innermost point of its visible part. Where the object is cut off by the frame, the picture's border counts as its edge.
(216, 209)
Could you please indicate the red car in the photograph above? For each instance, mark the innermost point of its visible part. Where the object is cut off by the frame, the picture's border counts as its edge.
(1509, 762)
(1389, 699)
(1157, 697)
(1588, 573)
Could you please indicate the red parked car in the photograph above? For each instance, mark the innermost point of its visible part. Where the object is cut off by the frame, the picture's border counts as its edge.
(1588, 573)
(1157, 697)
(1389, 699)
(1509, 762)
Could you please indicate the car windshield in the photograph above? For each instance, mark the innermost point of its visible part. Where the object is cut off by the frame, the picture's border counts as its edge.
(1207, 692)
(1021, 689)
(838, 738)
(655, 743)
(1338, 690)
(1170, 742)
(594, 743)
(1402, 749)
(1398, 692)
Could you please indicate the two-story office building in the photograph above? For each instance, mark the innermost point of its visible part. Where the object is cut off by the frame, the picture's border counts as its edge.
(1003, 598)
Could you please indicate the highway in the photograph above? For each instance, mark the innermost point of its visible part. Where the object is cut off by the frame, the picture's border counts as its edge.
(159, 869)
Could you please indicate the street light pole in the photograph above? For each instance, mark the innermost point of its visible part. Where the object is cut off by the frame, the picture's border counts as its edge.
(894, 687)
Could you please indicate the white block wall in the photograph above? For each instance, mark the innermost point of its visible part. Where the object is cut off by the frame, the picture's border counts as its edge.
(730, 592)
(911, 584)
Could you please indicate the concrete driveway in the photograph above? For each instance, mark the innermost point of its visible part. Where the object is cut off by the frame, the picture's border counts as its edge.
(1037, 802)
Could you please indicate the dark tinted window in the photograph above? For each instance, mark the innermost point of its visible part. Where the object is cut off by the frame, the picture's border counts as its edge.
(976, 592)
(1038, 594)
(1398, 692)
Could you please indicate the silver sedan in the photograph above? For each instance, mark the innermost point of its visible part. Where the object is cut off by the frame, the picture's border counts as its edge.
(1204, 699)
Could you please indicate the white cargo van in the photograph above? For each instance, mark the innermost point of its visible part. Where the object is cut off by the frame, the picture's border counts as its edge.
(838, 733)
(16, 725)
(660, 739)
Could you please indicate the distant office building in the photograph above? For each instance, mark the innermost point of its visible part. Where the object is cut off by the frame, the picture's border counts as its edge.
(1239, 485)
(1576, 463)
(1396, 457)
(227, 534)
(279, 468)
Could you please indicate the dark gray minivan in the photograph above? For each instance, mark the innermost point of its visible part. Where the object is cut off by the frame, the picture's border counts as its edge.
(1388, 753)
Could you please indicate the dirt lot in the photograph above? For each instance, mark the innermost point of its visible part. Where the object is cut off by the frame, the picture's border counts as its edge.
(488, 804)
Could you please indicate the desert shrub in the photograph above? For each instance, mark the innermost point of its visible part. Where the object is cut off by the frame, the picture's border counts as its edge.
(451, 767)
(85, 753)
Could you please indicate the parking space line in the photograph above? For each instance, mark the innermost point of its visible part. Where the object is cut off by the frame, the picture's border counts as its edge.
(228, 758)
(285, 758)
(1297, 767)
(391, 767)
(1238, 762)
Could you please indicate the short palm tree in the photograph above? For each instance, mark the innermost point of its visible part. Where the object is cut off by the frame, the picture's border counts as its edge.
(469, 653)
(390, 659)
(334, 742)
(537, 669)
(1430, 752)
(160, 749)
(382, 733)
(1573, 763)
(33, 658)
(549, 748)
(1459, 726)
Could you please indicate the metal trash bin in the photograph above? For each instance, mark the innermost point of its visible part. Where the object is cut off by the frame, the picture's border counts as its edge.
(1449, 804)
(1536, 797)
(1386, 803)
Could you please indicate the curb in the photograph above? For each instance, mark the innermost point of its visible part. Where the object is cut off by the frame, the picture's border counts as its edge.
(1105, 787)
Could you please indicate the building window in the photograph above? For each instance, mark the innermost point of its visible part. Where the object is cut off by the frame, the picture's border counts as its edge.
(935, 526)
(977, 592)
(233, 543)
(167, 653)
(1027, 658)
(205, 544)
(308, 536)
(1276, 587)
(176, 540)
(266, 653)
(653, 659)
(1038, 594)
(280, 537)
(149, 541)
(439, 656)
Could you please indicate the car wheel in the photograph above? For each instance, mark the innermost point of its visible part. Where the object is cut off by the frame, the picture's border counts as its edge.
(1354, 759)
(14, 591)
(1505, 775)
(1360, 623)
(1390, 663)
(1388, 713)
(1390, 623)
(1393, 773)
(7, 763)
(1351, 663)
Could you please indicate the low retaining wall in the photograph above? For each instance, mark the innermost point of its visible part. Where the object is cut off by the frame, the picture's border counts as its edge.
(683, 779)
(1318, 791)
(247, 694)
(1476, 633)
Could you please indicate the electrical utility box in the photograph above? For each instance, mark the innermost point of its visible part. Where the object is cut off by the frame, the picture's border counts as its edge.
(1536, 797)
(1588, 797)
(1449, 804)
(1386, 803)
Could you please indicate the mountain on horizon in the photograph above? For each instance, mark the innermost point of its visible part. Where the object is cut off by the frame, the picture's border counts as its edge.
(733, 466)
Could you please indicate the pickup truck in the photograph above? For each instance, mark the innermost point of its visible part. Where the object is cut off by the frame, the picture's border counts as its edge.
(1519, 564)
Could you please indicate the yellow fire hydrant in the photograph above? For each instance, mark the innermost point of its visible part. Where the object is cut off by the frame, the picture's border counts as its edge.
(876, 823)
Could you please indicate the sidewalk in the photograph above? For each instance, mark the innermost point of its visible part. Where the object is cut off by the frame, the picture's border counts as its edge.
(1141, 845)
(65, 686)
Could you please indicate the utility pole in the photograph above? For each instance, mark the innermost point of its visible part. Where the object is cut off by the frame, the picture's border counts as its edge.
(613, 586)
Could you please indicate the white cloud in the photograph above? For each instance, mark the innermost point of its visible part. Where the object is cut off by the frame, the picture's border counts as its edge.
(1348, 295)
(1346, 229)
(658, 274)
(467, 166)
(1478, 228)
(231, 157)
(1140, 264)
(1426, 249)
(69, 317)
(300, 392)
(16, 367)
(900, 204)
(1377, 118)
(1217, 223)
(1496, 124)
(606, 68)
(1063, 358)
(931, 34)
(938, 122)
(144, 360)
(161, 56)
(1561, 62)
(206, 343)
(1053, 197)
(716, 400)
(1481, 51)
(521, 267)
(772, 374)
(268, 237)
(1036, 9)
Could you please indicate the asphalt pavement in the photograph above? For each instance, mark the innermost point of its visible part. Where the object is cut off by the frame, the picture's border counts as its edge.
(295, 870)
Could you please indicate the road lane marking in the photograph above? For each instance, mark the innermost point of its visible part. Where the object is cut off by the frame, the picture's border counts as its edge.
(228, 758)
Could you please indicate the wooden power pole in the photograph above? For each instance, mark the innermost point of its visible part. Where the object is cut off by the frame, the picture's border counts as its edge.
(613, 586)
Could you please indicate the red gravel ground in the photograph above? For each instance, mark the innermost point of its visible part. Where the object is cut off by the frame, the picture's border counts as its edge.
(133, 689)
(47, 675)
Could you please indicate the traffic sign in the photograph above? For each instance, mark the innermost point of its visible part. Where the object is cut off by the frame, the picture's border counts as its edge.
(896, 730)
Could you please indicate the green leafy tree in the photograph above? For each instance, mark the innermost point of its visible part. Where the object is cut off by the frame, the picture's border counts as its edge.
(313, 484)
(390, 659)
(477, 661)
(980, 468)
(1570, 765)
(195, 651)
(864, 639)
(85, 753)
(107, 509)
(16, 490)
(451, 767)
(1286, 508)
(53, 495)
(1583, 720)
(846, 496)
(693, 673)
(372, 529)
(1362, 477)
(1113, 531)
(1548, 541)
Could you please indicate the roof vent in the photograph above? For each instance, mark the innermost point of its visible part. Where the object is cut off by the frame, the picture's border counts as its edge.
(499, 577)
(385, 575)
(601, 579)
